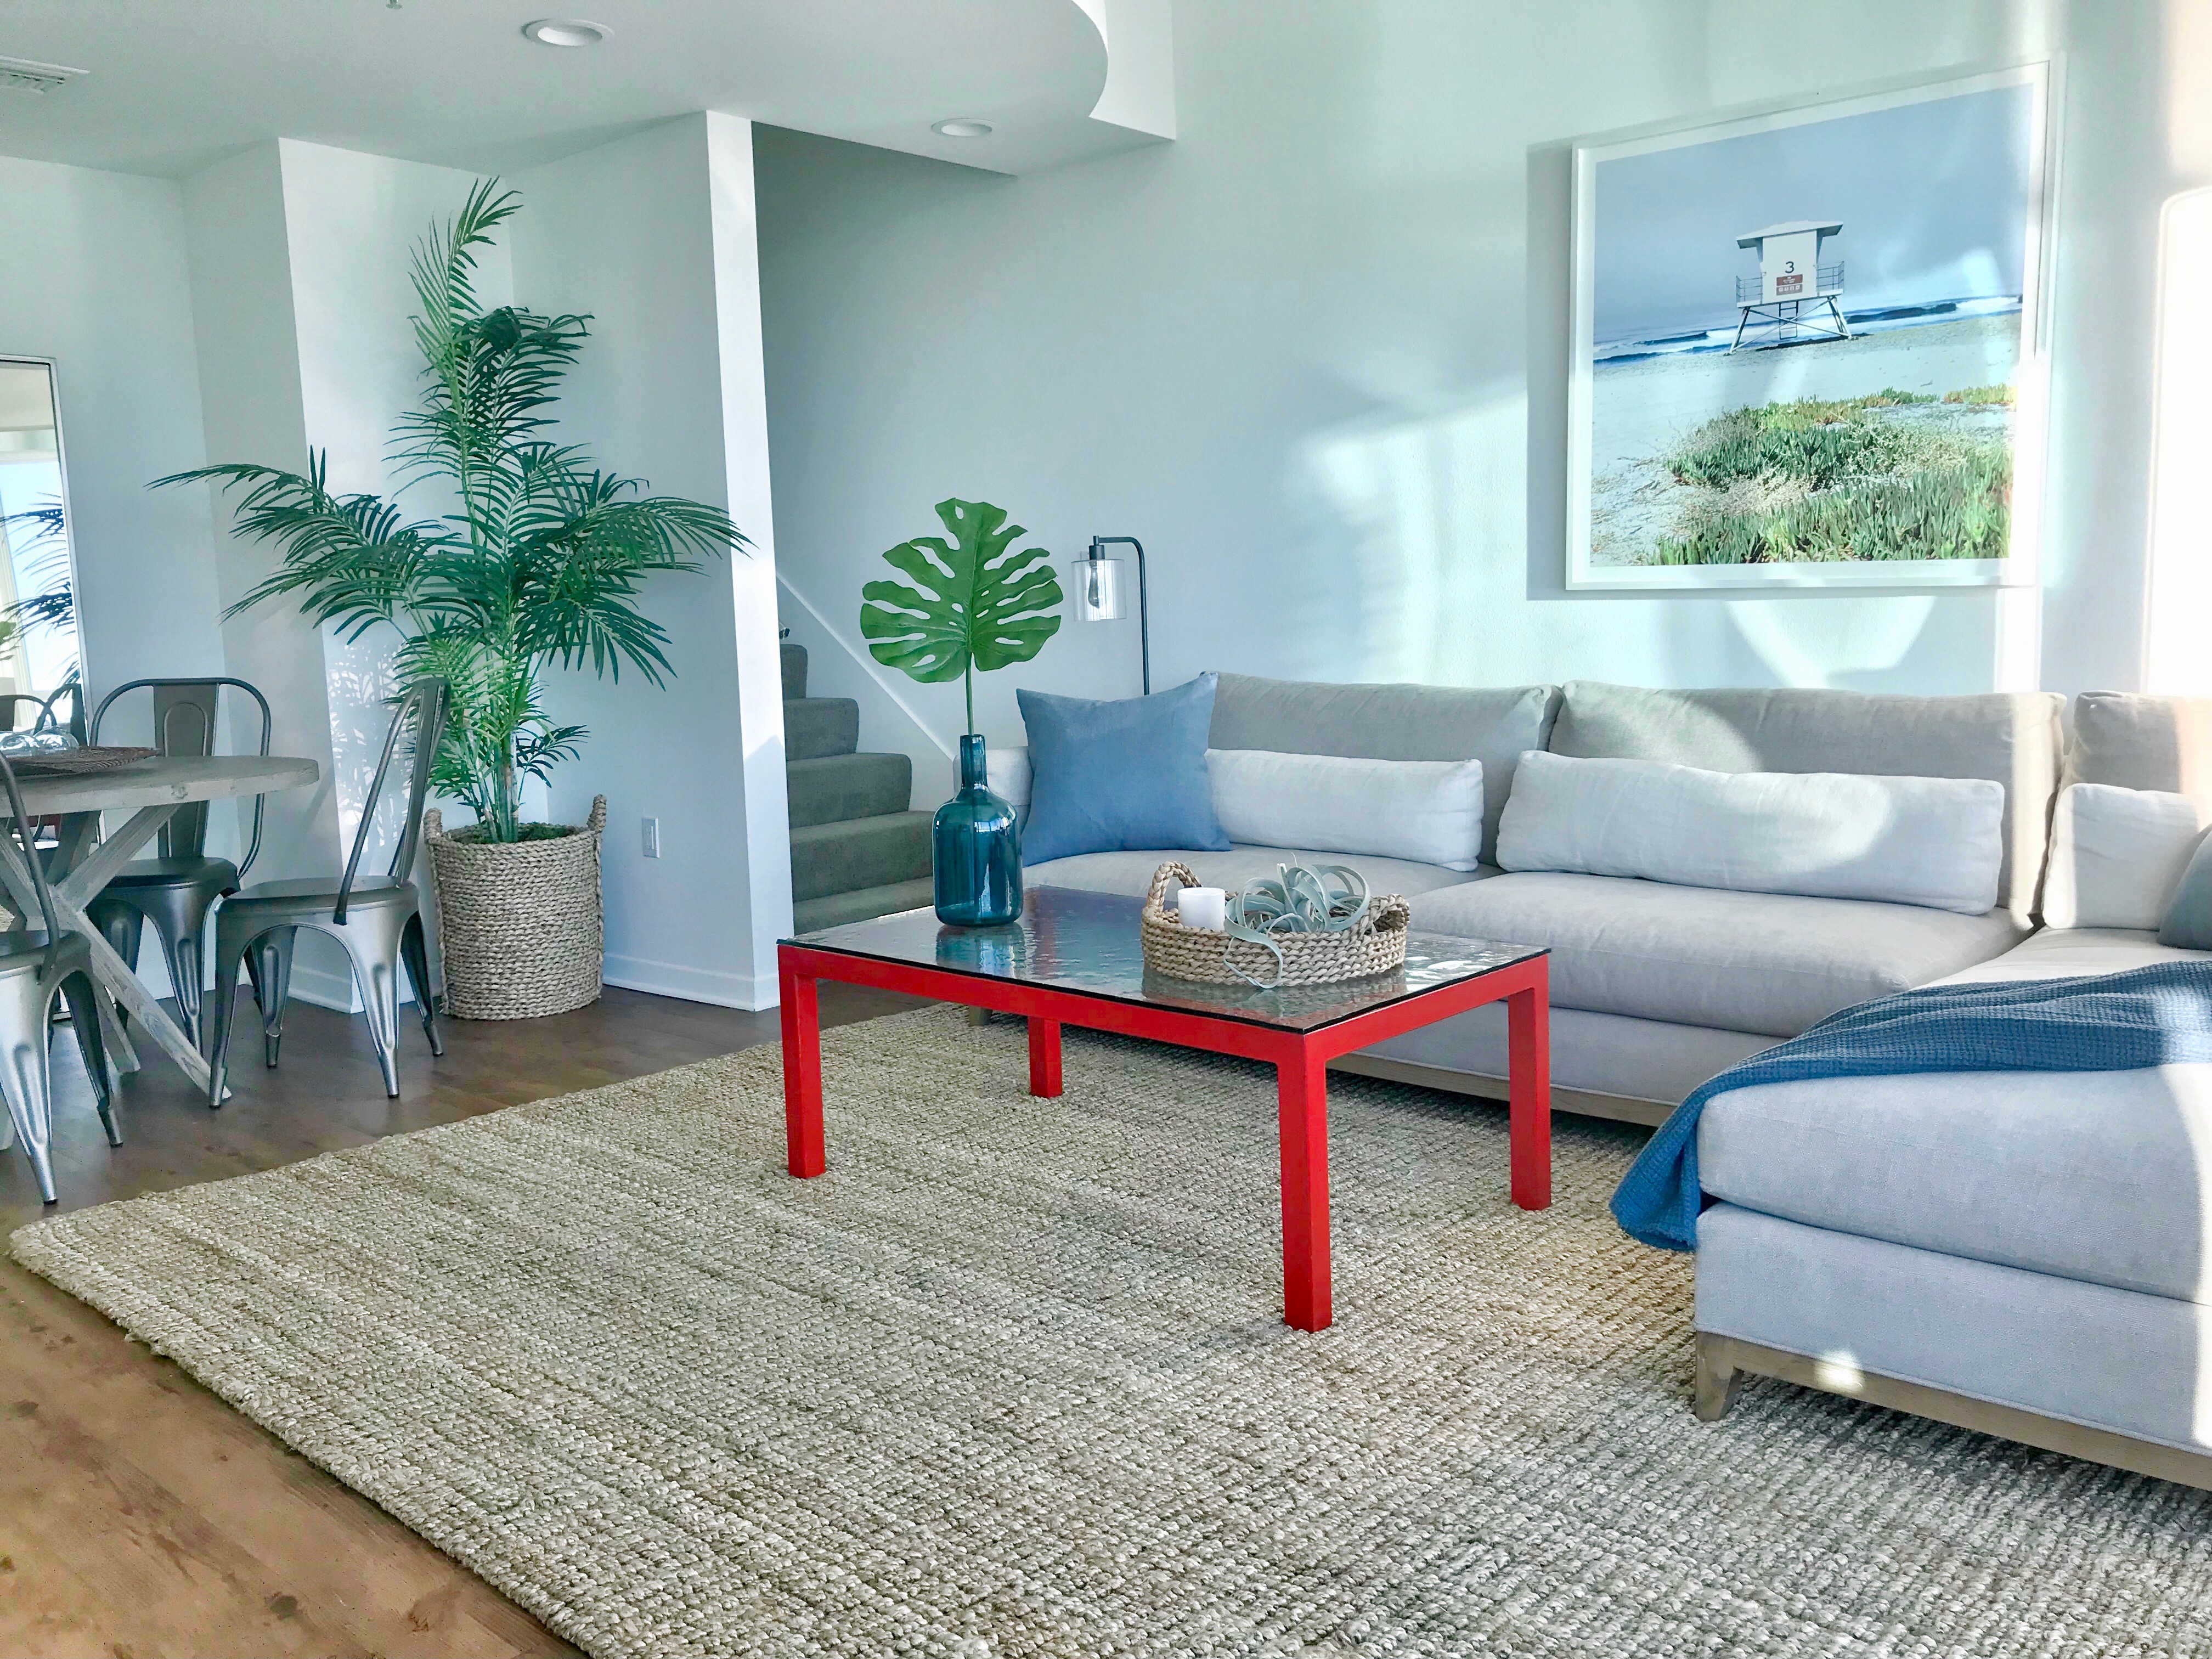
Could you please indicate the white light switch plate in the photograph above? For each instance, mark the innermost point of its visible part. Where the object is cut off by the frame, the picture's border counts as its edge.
(653, 838)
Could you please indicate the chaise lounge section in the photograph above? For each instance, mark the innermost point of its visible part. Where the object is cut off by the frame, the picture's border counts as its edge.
(2025, 1252)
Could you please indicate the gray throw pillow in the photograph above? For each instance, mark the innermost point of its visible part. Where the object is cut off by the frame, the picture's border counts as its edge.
(2188, 924)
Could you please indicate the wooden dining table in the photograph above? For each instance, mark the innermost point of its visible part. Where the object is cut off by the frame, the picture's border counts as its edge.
(85, 861)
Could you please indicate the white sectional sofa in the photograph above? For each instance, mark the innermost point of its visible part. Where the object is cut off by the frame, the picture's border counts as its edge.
(2026, 1253)
(1654, 986)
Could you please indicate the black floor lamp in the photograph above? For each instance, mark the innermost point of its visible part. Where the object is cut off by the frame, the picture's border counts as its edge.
(1098, 593)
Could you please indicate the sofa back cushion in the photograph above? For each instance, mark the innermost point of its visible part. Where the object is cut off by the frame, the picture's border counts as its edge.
(1391, 722)
(2008, 738)
(2136, 742)
(1932, 841)
(2116, 854)
(1429, 811)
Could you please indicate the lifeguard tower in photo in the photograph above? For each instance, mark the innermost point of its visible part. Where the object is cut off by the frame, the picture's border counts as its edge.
(1792, 300)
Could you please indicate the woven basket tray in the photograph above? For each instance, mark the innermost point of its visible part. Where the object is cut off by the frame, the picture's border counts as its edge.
(1376, 945)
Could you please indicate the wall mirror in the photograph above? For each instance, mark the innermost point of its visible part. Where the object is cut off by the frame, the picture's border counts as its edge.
(37, 603)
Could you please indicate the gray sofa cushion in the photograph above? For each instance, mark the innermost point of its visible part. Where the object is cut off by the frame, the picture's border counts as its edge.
(2071, 953)
(1603, 1053)
(1132, 873)
(1763, 963)
(2012, 738)
(2141, 743)
(2098, 1175)
(1391, 723)
(2115, 1359)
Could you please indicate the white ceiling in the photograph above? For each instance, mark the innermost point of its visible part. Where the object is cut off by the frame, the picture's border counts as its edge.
(175, 84)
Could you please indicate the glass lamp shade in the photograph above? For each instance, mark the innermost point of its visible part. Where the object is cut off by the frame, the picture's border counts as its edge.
(1096, 589)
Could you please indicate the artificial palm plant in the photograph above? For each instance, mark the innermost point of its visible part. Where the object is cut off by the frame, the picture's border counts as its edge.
(540, 563)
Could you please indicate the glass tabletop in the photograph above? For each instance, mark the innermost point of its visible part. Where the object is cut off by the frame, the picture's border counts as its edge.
(1087, 943)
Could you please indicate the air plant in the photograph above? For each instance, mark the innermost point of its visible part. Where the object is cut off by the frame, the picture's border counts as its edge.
(1299, 898)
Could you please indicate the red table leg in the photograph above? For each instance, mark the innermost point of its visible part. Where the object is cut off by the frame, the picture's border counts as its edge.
(1044, 1058)
(802, 1075)
(1529, 1113)
(1302, 1116)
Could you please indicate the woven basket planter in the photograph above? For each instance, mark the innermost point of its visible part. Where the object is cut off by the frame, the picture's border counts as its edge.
(519, 922)
(1376, 946)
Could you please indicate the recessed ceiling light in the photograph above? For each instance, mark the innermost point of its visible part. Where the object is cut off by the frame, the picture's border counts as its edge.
(565, 32)
(965, 126)
(21, 75)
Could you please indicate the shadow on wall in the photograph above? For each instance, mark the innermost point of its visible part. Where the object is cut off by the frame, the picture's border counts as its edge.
(361, 684)
(1419, 516)
(1416, 514)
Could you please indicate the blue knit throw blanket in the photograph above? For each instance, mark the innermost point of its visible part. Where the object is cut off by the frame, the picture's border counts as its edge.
(2156, 1016)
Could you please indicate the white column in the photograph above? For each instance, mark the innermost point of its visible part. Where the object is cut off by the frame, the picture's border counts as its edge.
(653, 236)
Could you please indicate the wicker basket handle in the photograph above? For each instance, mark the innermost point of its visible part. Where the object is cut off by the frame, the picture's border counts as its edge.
(1390, 913)
(433, 824)
(1181, 874)
(597, 822)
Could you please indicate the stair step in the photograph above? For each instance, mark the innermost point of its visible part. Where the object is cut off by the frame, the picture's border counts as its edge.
(811, 915)
(815, 726)
(843, 858)
(794, 670)
(837, 788)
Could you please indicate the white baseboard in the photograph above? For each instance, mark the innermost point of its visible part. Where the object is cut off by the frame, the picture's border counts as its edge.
(324, 988)
(334, 991)
(671, 979)
(327, 983)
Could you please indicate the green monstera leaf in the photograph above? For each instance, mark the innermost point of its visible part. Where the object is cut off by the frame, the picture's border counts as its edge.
(974, 602)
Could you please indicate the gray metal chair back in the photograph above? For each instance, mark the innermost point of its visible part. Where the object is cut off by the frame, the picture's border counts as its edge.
(185, 724)
(71, 690)
(425, 705)
(12, 701)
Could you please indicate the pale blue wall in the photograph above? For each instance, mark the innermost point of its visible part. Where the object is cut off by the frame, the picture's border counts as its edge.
(1313, 351)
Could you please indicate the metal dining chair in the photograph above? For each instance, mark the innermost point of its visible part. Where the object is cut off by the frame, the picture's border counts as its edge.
(33, 970)
(45, 720)
(175, 888)
(378, 922)
(12, 701)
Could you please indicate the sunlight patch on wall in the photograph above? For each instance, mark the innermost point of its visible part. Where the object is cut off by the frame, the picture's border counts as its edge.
(1424, 515)
(2179, 603)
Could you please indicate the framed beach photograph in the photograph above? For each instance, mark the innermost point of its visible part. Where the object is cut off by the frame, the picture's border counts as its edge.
(1805, 346)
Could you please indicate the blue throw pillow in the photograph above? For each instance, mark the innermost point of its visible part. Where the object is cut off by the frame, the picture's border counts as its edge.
(1112, 777)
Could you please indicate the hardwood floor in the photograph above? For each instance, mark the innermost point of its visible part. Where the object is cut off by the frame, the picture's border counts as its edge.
(139, 1514)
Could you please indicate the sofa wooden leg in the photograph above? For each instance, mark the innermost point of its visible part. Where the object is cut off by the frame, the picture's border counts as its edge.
(1717, 1379)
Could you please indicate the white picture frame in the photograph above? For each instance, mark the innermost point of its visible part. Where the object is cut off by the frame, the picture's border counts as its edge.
(1614, 559)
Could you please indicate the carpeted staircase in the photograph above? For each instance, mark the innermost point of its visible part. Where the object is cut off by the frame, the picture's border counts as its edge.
(856, 851)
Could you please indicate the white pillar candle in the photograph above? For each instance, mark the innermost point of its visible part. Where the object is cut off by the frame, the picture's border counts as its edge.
(1204, 907)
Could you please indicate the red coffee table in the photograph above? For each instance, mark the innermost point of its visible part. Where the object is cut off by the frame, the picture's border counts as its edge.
(1072, 959)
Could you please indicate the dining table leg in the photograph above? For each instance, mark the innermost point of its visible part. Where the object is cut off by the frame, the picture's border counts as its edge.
(80, 833)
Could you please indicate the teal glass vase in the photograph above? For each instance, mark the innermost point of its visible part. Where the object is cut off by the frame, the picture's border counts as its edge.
(975, 848)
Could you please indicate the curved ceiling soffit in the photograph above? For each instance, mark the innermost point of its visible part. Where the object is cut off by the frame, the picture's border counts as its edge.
(1112, 89)
(455, 84)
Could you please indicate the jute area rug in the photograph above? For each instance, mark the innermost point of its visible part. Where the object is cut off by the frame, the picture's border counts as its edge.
(1011, 1380)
